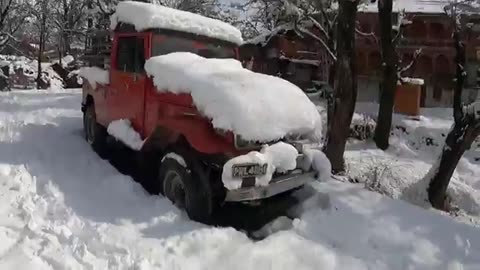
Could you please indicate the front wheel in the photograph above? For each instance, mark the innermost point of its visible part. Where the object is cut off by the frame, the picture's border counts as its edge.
(184, 190)
(95, 134)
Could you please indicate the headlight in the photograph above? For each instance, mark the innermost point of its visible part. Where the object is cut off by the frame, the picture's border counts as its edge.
(221, 132)
(240, 143)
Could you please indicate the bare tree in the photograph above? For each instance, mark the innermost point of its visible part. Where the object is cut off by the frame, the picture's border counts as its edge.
(389, 74)
(466, 127)
(69, 17)
(345, 84)
(390, 35)
(12, 16)
(40, 11)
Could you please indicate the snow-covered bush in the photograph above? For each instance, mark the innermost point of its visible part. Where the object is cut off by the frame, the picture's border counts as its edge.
(362, 127)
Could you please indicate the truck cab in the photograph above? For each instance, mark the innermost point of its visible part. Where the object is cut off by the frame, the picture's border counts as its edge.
(197, 163)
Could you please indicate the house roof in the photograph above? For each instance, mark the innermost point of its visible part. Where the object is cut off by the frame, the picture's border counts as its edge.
(411, 6)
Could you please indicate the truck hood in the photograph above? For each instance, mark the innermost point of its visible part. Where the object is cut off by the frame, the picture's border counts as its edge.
(256, 106)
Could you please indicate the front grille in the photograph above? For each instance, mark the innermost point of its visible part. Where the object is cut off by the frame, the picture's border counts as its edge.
(248, 182)
(300, 160)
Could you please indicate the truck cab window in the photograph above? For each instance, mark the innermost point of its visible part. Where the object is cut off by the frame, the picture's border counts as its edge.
(165, 45)
(130, 54)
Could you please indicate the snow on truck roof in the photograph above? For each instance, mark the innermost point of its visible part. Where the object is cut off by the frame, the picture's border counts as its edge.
(147, 16)
(255, 106)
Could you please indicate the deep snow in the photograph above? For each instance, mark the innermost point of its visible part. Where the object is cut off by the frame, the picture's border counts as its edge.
(62, 207)
(416, 143)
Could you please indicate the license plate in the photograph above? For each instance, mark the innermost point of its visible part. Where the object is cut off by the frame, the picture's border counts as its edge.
(249, 170)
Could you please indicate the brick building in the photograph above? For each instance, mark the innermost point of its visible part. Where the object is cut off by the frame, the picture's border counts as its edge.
(290, 53)
(431, 30)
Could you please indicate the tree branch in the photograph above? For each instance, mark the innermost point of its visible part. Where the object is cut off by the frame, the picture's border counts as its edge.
(305, 31)
(363, 34)
(416, 55)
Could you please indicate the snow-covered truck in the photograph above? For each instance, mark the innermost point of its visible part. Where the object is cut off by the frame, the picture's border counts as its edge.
(214, 131)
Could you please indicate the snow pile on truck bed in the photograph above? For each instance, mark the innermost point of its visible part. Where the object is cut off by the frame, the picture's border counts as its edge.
(256, 106)
(147, 16)
(123, 131)
(280, 157)
(95, 75)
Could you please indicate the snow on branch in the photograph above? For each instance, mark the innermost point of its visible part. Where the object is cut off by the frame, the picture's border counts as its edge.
(416, 55)
(308, 32)
(318, 25)
(363, 34)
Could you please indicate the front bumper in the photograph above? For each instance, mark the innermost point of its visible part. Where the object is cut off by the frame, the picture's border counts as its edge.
(276, 186)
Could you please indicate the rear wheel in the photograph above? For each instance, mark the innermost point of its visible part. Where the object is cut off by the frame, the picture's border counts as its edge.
(185, 190)
(95, 134)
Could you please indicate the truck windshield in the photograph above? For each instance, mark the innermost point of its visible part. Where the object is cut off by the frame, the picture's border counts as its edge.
(164, 45)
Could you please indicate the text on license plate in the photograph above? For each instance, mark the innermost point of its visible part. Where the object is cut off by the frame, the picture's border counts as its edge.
(248, 170)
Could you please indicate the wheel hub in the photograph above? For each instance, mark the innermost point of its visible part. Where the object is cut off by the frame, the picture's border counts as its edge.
(174, 189)
(90, 128)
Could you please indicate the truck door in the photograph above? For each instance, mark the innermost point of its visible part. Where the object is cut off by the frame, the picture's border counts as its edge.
(128, 80)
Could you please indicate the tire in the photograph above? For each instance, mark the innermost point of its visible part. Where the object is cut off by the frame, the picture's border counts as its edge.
(185, 190)
(95, 134)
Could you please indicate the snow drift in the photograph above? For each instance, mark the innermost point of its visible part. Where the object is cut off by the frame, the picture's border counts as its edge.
(255, 106)
(147, 16)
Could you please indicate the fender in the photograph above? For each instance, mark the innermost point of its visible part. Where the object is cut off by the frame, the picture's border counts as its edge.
(203, 140)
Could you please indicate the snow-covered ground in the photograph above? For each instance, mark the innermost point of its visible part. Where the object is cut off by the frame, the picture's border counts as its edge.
(62, 207)
(415, 145)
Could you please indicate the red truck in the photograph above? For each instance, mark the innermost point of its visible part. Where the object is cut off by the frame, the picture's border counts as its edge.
(181, 140)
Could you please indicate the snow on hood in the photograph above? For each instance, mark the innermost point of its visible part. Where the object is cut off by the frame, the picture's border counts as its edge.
(146, 16)
(255, 106)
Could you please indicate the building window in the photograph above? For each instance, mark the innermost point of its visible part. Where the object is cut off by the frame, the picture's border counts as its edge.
(374, 62)
(437, 92)
(438, 31)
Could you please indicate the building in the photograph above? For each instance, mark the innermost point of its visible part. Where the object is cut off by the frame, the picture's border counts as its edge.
(431, 30)
(290, 52)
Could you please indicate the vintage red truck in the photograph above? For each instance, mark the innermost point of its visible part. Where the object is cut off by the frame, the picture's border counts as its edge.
(213, 131)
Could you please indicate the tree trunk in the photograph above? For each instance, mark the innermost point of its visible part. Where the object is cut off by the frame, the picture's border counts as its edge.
(389, 76)
(466, 128)
(459, 139)
(66, 43)
(345, 85)
(39, 59)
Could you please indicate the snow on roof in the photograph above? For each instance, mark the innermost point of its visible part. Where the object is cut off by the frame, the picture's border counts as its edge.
(255, 106)
(265, 37)
(414, 81)
(411, 6)
(146, 16)
(302, 61)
